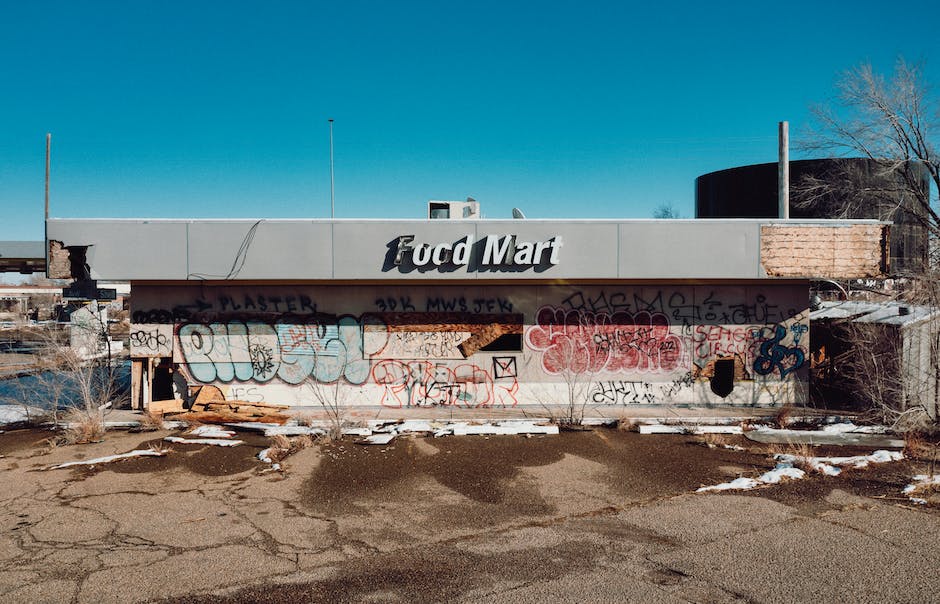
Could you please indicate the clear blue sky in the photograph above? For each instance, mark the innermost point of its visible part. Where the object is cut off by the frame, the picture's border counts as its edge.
(565, 109)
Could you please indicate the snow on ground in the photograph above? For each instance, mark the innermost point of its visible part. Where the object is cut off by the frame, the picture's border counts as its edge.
(13, 414)
(211, 431)
(786, 469)
(219, 442)
(110, 458)
(846, 427)
(783, 471)
(922, 482)
(828, 465)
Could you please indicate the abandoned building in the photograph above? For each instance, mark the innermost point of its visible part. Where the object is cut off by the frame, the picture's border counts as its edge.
(470, 313)
(868, 355)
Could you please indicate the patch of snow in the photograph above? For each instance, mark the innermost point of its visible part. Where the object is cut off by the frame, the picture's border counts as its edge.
(846, 427)
(921, 481)
(110, 458)
(256, 426)
(503, 428)
(219, 442)
(14, 414)
(599, 421)
(263, 456)
(274, 430)
(736, 484)
(717, 430)
(785, 469)
(410, 426)
(780, 472)
(357, 431)
(662, 429)
(377, 439)
(830, 465)
(210, 431)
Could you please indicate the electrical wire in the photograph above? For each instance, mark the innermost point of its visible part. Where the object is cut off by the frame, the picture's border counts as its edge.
(240, 256)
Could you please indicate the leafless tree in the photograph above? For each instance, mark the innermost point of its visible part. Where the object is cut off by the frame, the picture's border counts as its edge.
(666, 211)
(331, 396)
(891, 122)
(71, 383)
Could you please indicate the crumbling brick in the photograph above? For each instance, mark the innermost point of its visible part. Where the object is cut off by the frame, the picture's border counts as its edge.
(835, 252)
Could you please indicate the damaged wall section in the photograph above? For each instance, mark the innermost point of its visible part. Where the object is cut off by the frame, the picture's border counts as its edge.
(842, 251)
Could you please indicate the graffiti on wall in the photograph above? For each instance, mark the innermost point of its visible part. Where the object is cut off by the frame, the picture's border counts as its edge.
(681, 308)
(587, 342)
(417, 344)
(775, 356)
(323, 349)
(153, 340)
(354, 349)
(427, 384)
(418, 348)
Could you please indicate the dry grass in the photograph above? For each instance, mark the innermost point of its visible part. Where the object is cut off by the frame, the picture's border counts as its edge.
(783, 416)
(150, 422)
(918, 448)
(305, 418)
(927, 491)
(283, 447)
(714, 441)
(802, 451)
(625, 424)
(82, 426)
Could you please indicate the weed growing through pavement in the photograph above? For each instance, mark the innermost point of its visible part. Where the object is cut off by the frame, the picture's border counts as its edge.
(82, 426)
(150, 422)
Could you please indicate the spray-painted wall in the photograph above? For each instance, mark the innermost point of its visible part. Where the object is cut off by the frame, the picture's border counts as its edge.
(482, 346)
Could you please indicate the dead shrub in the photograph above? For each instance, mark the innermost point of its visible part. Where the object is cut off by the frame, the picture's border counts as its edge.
(150, 422)
(82, 426)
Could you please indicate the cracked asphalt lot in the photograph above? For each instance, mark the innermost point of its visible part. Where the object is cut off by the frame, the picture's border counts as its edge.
(585, 516)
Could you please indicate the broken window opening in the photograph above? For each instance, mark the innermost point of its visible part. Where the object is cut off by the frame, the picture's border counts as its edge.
(722, 382)
(508, 342)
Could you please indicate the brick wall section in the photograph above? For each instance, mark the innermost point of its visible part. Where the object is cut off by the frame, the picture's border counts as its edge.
(835, 252)
(59, 265)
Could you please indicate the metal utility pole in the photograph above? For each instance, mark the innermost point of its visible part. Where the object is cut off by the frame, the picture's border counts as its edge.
(48, 150)
(783, 170)
(332, 189)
